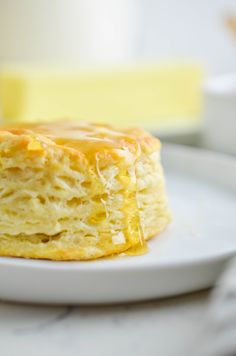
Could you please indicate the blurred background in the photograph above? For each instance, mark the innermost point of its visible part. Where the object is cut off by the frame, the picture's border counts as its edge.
(165, 65)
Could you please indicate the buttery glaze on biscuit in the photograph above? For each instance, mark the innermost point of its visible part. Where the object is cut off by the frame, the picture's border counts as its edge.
(79, 191)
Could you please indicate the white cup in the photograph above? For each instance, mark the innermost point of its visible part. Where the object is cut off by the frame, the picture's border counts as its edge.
(73, 32)
(220, 113)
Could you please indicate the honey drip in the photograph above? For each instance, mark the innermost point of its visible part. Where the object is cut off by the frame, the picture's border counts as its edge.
(142, 247)
(137, 250)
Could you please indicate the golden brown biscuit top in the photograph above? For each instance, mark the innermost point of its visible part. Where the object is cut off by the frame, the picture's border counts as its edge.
(83, 137)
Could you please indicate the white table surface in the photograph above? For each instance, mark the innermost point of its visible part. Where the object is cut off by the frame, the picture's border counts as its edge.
(161, 327)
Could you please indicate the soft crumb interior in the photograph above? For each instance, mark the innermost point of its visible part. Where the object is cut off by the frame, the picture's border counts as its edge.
(50, 201)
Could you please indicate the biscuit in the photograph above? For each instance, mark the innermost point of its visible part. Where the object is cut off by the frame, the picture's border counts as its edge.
(78, 191)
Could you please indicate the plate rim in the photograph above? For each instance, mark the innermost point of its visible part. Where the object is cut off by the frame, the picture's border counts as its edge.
(69, 266)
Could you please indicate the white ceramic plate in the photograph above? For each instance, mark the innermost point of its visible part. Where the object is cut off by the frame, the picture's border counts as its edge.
(188, 256)
(185, 132)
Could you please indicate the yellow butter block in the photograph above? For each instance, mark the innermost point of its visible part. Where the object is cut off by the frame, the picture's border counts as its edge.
(150, 96)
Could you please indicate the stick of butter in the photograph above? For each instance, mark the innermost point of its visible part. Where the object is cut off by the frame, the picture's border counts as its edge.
(146, 96)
